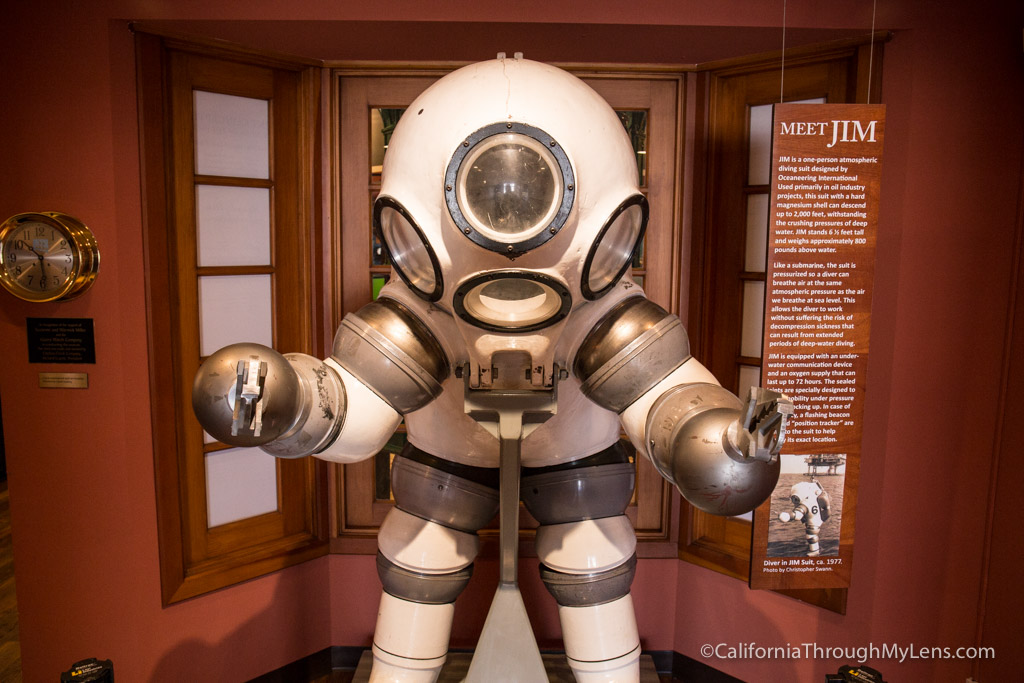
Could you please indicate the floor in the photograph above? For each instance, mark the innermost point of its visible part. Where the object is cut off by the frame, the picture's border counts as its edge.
(10, 648)
(459, 663)
(457, 667)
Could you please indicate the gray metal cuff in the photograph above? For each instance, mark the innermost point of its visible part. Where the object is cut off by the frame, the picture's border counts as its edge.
(584, 590)
(390, 351)
(441, 497)
(577, 494)
(633, 348)
(323, 413)
(686, 432)
(429, 589)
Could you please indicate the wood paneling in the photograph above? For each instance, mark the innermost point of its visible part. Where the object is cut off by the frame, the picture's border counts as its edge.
(194, 558)
(718, 273)
(10, 635)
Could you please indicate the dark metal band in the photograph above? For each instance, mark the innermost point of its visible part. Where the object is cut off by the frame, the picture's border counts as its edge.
(429, 589)
(634, 347)
(390, 351)
(441, 496)
(590, 488)
(486, 476)
(584, 590)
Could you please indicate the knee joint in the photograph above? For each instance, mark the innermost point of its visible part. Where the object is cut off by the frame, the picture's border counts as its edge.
(589, 562)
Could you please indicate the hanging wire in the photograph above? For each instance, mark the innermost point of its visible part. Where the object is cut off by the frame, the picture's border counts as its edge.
(871, 49)
(782, 67)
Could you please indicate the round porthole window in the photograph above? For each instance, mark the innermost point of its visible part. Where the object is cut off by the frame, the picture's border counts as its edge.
(512, 301)
(613, 249)
(509, 188)
(407, 247)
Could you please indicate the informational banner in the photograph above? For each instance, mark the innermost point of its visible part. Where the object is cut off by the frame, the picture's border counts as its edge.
(826, 172)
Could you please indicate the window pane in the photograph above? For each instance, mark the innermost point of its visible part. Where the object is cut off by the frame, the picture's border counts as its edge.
(759, 168)
(379, 255)
(635, 123)
(377, 283)
(234, 225)
(382, 466)
(750, 376)
(240, 483)
(232, 135)
(638, 255)
(757, 233)
(234, 308)
(753, 317)
(759, 160)
(382, 125)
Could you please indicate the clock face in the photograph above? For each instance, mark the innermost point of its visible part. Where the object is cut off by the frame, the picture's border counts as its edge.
(39, 259)
(45, 257)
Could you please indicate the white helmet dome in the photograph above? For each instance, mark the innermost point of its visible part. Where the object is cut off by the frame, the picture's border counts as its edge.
(509, 191)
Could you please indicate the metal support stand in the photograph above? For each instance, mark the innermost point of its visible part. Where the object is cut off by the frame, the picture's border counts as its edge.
(507, 650)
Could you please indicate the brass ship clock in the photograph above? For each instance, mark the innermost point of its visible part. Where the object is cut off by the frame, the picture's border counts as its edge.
(47, 256)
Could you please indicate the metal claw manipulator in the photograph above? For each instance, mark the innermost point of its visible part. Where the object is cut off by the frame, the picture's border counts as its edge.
(514, 343)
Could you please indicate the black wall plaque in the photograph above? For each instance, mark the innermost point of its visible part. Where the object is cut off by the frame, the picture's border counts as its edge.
(61, 340)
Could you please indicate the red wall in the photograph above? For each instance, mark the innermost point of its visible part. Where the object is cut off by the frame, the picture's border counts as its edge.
(80, 462)
(950, 191)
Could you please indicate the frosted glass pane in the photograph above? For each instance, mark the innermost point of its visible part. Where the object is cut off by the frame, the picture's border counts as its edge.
(757, 233)
(759, 169)
(240, 483)
(234, 225)
(234, 308)
(232, 135)
(753, 317)
(750, 376)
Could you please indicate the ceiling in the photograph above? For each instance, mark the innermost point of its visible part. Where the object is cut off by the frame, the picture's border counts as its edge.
(475, 41)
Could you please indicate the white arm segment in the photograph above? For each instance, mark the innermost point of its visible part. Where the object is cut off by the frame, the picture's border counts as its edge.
(384, 363)
(290, 405)
(368, 423)
(634, 418)
(722, 454)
